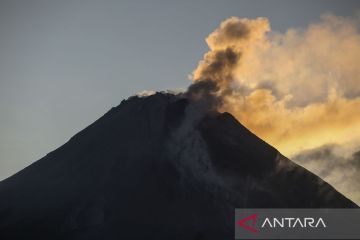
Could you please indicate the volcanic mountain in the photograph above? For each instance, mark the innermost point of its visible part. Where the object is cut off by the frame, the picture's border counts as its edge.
(155, 168)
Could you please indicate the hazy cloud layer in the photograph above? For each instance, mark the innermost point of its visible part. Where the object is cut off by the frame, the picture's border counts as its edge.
(337, 165)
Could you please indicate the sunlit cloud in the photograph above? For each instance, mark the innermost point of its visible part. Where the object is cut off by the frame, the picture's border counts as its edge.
(297, 90)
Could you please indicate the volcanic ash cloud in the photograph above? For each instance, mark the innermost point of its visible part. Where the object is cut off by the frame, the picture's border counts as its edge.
(296, 90)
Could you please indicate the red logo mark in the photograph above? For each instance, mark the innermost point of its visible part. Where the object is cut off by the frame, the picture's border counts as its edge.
(251, 217)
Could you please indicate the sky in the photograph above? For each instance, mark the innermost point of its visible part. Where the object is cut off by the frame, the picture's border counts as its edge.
(63, 64)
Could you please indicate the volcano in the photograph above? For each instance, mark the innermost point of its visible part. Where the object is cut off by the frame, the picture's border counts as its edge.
(155, 168)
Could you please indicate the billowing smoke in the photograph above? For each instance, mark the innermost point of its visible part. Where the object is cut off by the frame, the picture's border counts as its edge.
(215, 75)
(296, 90)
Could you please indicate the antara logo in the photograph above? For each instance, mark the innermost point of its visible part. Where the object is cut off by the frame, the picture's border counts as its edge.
(287, 222)
(291, 222)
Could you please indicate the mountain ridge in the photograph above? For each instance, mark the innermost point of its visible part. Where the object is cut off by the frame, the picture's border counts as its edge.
(157, 164)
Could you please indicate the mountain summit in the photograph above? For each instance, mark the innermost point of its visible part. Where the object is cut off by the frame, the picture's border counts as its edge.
(157, 168)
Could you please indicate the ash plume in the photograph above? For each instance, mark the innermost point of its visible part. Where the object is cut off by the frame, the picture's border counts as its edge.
(215, 74)
(296, 90)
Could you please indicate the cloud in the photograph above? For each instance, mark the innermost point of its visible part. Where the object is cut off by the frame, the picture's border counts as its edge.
(337, 165)
(145, 93)
(296, 90)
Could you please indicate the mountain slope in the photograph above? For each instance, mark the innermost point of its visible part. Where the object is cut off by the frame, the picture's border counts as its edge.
(152, 167)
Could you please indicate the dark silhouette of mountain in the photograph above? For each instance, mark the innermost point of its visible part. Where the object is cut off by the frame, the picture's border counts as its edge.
(154, 168)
